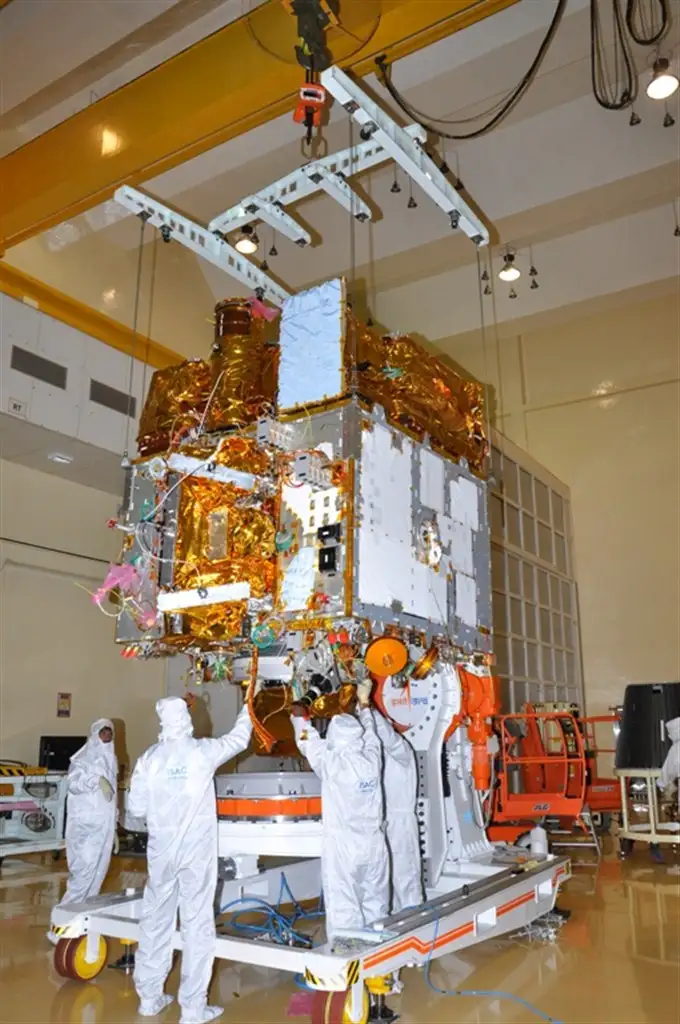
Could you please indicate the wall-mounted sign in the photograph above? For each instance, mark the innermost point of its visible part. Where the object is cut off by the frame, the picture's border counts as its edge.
(63, 705)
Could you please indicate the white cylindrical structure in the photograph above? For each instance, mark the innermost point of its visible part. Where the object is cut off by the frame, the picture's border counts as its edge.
(269, 814)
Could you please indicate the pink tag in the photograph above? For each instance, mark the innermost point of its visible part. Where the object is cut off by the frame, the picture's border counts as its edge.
(262, 312)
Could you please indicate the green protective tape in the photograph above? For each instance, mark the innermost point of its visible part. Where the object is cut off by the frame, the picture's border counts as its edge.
(219, 669)
(148, 508)
(283, 540)
(263, 636)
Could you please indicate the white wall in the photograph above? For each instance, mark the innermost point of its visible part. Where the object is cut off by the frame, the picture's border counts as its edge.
(596, 400)
(52, 639)
(69, 411)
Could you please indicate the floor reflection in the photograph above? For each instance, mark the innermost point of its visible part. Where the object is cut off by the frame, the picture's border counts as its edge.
(616, 960)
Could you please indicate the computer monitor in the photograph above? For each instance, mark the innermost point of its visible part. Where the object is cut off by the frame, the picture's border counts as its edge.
(57, 751)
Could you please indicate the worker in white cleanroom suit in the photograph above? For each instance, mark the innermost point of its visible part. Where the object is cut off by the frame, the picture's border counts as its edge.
(173, 788)
(354, 858)
(670, 772)
(92, 813)
(400, 784)
(668, 779)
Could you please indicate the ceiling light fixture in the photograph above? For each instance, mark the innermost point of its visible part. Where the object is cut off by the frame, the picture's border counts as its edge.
(111, 142)
(247, 241)
(509, 271)
(663, 83)
(60, 458)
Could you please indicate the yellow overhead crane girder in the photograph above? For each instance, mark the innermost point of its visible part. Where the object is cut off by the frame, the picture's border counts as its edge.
(232, 81)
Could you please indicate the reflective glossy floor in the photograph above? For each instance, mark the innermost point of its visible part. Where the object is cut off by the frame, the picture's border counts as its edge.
(616, 960)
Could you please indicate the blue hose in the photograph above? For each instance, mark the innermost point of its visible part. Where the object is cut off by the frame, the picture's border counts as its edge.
(299, 912)
(276, 926)
(481, 993)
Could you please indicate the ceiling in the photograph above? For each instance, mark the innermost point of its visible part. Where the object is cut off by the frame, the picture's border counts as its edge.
(49, 71)
(586, 198)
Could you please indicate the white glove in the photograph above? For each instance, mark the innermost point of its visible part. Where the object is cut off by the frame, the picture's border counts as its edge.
(106, 788)
(364, 689)
(116, 843)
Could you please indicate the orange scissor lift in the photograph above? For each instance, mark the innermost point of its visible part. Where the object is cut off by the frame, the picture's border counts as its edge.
(540, 773)
(603, 793)
(547, 769)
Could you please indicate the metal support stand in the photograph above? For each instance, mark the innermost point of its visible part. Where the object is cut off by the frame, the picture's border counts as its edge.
(126, 962)
(381, 1011)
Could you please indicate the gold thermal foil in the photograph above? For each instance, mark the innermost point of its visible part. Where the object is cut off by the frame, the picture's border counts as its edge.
(204, 627)
(216, 623)
(209, 511)
(175, 402)
(271, 710)
(239, 453)
(419, 393)
(337, 703)
(243, 368)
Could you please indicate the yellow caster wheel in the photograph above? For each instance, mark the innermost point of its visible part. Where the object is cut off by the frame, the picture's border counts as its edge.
(334, 1008)
(70, 959)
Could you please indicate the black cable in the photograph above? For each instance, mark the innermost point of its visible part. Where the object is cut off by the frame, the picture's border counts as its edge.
(52, 551)
(634, 12)
(611, 96)
(511, 101)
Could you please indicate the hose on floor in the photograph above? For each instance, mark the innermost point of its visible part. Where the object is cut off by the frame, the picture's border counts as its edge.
(276, 926)
(480, 993)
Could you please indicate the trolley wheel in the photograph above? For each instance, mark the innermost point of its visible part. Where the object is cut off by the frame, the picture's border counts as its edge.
(334, 1008)
(625, 847)
(56, 855)
(70, 961)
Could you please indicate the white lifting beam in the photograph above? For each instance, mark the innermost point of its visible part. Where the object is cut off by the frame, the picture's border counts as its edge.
(379, 126)
(202, 241)
(261, 207)
(328, 174)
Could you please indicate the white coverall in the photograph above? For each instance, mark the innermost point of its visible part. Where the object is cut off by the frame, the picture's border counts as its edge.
(354, 859)
(173, 788)
(92, 812)
(670, 772)
(400, 781)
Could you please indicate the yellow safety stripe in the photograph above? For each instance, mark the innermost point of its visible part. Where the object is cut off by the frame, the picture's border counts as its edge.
(14, 771)
(352, 976)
